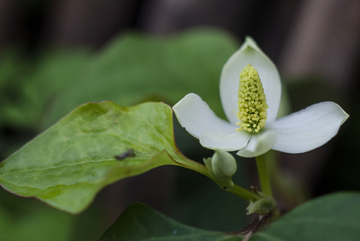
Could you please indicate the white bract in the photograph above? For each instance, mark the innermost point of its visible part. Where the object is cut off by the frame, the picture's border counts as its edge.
(251, 107)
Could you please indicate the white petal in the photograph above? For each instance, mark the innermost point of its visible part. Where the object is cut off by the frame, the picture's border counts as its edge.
(198, 119)
(258, 144)
(226, 142)
(249, 53)
(308, 129)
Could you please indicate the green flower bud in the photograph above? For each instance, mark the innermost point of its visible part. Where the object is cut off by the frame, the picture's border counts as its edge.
(223, 164)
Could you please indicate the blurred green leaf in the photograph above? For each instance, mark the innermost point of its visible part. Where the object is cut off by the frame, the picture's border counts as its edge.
(28, 219)
(132, 69)
(12, 68)
(23, 219)
(69, 163)
(135, 68)
(140, 222)
(329, 218)
(35, 226)
(33, 85)
(10, 63)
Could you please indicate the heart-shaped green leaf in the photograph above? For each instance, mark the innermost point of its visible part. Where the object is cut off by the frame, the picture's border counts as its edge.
(70, 162)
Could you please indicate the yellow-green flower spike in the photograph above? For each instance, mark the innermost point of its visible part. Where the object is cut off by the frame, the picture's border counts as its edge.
(251, 101)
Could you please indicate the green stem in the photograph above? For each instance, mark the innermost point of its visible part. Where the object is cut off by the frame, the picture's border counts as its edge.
(185, 162)
(264, 175)
(242, 193)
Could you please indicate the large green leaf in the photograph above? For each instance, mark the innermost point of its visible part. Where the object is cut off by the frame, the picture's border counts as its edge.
(134, 68)
(69, 163)
(140, 223)
(329, 218)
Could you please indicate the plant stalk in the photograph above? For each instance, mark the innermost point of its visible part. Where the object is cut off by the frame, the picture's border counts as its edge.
(242, 193)
(264, 174)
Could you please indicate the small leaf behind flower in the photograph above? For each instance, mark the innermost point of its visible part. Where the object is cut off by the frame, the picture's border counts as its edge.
(67, 165)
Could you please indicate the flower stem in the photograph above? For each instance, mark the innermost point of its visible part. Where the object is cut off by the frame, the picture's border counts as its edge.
(242, 193)
(264, 175)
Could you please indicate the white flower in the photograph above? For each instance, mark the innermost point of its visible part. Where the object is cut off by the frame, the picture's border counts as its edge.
(299, 132)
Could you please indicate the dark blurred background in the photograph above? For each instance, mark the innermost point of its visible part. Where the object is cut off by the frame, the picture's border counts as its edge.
(314, 43)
